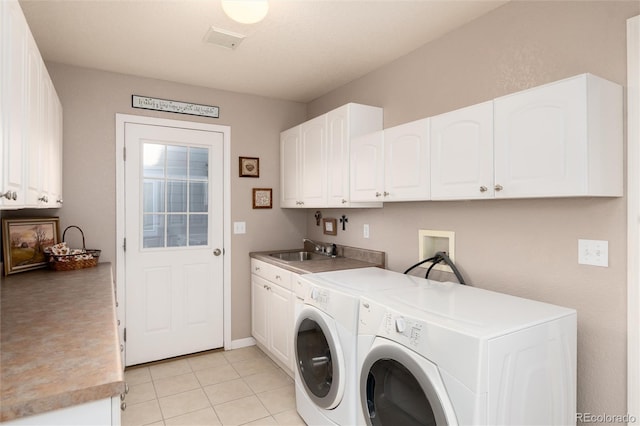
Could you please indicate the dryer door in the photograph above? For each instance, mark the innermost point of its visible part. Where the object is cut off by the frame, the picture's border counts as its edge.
(319, 359)
(398, 387)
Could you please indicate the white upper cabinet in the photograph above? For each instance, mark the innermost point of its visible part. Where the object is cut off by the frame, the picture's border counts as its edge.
(392, 165)
(13, 82)
(406, 162)
(31, 117)
(561, 139)
(462, 153)
(315, 157)
(367, 167)
(313, 162)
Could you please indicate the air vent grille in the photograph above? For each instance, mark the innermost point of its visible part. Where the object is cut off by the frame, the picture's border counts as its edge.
(223, 38)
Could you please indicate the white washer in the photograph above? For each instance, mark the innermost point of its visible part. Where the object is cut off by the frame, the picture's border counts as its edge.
(325, 334)
(445, 353)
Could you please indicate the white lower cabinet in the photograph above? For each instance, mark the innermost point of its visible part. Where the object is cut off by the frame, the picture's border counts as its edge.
(272, 311)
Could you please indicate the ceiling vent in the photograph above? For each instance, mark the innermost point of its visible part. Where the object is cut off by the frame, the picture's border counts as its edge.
(223, 38)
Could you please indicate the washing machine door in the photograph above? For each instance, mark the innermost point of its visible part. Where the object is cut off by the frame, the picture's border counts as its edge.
(398, 387)
(319, 358)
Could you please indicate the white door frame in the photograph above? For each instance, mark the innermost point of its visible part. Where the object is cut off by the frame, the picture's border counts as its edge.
(633, 216)
(121, 119)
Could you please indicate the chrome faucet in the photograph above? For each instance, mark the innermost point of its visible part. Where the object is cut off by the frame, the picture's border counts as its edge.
(328, 250)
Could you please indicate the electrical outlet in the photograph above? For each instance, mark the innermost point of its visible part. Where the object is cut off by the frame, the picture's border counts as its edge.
(593, 252)
(365, 230)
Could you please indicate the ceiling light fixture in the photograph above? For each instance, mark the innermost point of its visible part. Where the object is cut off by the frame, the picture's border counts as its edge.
(246, 11)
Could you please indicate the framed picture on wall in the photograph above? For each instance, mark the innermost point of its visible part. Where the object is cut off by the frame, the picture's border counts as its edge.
(249, 167)
(24, 242)
(330, 226)
(262, 198)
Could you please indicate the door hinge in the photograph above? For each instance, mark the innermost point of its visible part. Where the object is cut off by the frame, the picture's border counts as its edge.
(124, 153)
(124, 245)
(125, 334)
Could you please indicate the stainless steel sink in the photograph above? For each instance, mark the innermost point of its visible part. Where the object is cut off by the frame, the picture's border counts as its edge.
(298, 256)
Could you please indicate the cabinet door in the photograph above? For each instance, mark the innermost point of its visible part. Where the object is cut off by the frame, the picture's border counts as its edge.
(36, 146)
(462, 153)
(367, 167)
(280, 327)
(259, 309)
(540, 141)
(313, 162)
(13, 82)
(55, 148)
(289, 160)
(406, 159)
(338, 157)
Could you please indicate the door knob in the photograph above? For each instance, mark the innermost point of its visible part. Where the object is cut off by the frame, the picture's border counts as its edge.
(217, 252)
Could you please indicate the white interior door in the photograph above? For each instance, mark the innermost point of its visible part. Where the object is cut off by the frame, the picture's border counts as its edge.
(174, 238)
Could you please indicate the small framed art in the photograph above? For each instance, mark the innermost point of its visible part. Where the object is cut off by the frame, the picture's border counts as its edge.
(24, 242)
(249, 167)
(262, 198)
(330, 226)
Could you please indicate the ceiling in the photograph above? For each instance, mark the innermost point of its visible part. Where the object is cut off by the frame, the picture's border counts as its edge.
(300, 51)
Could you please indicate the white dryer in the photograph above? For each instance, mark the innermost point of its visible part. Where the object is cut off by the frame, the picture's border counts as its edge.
(445, 353)
(325, 337)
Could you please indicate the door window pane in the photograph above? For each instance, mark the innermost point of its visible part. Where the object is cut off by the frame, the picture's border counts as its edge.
(198, 197)
(177, 230)
(177, 196)
(177, 162)
(198, 230)
(198, 163)
(153, 197)
(153, 160)
(153, 231)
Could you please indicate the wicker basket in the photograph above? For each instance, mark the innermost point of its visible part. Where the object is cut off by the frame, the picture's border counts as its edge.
(70, 262)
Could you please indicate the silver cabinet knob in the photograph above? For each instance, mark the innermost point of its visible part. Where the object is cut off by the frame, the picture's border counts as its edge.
(59, 201)
(483, 188)
(344, 201)
(44, 199)
(217, 252)
(498, 187)
(378, 194)
(386, 194)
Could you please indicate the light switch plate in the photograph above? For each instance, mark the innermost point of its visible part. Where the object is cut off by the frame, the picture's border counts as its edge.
(593, 252)
(365, 231)
(239, 227)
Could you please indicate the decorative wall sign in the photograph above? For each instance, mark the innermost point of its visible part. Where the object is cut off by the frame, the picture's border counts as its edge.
(262, 198)
(156, 104)
(249, 167)
(330, 226)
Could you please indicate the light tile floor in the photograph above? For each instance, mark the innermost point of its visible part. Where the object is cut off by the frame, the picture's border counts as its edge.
(238, 387)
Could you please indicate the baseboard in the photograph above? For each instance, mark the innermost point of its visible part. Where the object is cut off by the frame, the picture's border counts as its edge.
(242, 343)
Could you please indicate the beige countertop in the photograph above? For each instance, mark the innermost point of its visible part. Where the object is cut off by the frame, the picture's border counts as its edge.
(59, 342)
(350, 258)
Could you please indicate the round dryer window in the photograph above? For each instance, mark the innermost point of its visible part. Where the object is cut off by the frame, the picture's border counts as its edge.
(317, 360)
(397, 390)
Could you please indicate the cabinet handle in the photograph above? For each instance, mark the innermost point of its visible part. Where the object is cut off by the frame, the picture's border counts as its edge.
(44, 198)
(59, 201)
(278, 277)
(386, 194)
(257, 268)
(121, 348)
(378, 194)
(10, 195)
(498, 187)
(344, 201)
(483, 188)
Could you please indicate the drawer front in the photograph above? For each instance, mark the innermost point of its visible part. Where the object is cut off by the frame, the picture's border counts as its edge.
(272, 273)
